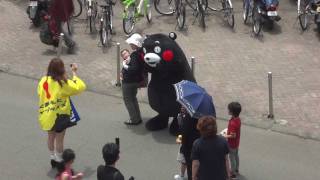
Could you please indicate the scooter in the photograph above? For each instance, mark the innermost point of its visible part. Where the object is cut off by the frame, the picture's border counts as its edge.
(264, 11)
(315, 7)
(36, 10)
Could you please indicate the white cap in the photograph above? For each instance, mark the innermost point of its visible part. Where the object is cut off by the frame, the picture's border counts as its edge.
(135, 39)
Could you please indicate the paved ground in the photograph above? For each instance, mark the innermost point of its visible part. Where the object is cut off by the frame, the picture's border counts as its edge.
(230, 64)
(264, 155)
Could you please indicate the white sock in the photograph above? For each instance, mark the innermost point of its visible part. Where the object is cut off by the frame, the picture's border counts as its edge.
(58, 157)
(52, 156)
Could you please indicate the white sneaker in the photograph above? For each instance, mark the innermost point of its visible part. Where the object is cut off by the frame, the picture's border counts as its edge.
(178, 177)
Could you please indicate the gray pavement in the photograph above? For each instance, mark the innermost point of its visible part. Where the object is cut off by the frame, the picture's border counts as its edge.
(264, 155)
(230, 64)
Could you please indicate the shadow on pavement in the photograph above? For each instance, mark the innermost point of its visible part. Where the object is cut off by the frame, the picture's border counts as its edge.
(49, 52)
(33, 28)
(140, 129)
(241, 177)
(161, 136)
(88, 172)
(164, 137)
(276, 29)
(52, 173)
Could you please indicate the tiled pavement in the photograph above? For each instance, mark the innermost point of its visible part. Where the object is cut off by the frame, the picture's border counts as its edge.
(230, 64)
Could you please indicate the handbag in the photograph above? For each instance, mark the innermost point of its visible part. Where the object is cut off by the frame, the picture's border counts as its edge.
(74, 113)
(65, 121)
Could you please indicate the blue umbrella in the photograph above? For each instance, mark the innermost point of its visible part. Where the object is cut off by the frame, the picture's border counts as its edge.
(194, 99)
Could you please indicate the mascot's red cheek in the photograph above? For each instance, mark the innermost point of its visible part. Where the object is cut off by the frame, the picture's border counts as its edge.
(167, 55)
(141, 56)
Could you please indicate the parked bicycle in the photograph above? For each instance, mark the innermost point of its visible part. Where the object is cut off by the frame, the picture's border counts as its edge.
(307, 8)
(92, 11)
(131, 15)
(167, 7)
(247, 11)
(227, 10)
(199, 8)
(106, 16)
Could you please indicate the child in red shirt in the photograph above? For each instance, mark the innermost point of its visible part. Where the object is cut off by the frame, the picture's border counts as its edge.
(65, 171)
(233, 136)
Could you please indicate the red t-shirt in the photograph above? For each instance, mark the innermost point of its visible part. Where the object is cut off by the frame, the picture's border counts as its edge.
(234, 126)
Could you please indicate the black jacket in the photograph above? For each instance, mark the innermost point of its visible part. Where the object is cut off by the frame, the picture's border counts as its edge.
(134, 73)
(189, 134)
(108, 173)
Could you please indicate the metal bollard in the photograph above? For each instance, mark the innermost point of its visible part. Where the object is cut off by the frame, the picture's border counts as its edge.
(270, 115)
(192, 65)
(60, 45)
(118, 65)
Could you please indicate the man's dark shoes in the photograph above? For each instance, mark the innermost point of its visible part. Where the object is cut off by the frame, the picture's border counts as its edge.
(132, 123)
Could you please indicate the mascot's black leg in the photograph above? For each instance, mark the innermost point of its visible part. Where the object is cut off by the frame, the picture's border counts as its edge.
(174, 127)
(157, 123)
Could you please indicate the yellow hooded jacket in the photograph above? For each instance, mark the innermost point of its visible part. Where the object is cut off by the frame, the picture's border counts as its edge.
(54, 99)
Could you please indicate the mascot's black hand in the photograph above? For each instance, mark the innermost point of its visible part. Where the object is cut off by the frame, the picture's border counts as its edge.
(131, 178)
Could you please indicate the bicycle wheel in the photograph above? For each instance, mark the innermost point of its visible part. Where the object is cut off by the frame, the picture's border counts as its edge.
(77, 8)
(228, 11)
(148, 11)
(201, 11)
(92, 15)
(105, 33)
(110, 18)
(181, 16)
(246, 6)
(128, 20)
(256, 24)
(303, 15)
(164, 7)
(91, 23)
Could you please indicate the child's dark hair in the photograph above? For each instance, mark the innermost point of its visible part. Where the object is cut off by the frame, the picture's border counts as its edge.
(67, 156)
(110, 153)
(234, 108)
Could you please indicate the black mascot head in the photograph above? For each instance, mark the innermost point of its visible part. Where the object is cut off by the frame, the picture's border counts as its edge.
(168, 65)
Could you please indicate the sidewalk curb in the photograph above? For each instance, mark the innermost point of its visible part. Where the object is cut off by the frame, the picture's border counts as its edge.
(261, 123)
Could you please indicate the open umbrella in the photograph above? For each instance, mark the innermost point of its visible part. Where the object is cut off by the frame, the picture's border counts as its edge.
(194, 99)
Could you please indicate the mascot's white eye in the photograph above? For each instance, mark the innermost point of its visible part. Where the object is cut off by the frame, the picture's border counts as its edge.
(157, 49)
(144, 50)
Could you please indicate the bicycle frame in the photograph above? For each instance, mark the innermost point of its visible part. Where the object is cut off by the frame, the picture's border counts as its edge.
(133, 4)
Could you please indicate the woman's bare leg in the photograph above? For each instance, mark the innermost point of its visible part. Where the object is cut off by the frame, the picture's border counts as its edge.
(59, 145)
(50, 142)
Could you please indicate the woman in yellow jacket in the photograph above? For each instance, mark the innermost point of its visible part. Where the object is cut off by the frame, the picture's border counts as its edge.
(54, 92)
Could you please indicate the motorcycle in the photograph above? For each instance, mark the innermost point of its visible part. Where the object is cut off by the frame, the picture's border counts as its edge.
(36, 10)
(315, 7)
(264, 12)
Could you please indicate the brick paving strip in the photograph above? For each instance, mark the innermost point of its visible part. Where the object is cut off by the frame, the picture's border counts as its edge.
(231, 65)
